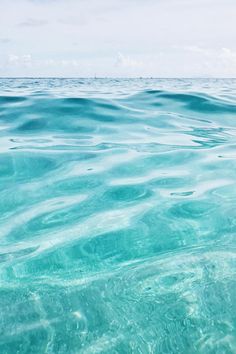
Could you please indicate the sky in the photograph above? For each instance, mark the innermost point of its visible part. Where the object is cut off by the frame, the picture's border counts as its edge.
(118, 38)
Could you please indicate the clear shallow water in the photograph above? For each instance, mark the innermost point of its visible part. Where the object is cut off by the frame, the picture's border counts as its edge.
(117, 216)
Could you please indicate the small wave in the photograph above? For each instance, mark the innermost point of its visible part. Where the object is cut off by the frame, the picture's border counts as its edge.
(198, 102)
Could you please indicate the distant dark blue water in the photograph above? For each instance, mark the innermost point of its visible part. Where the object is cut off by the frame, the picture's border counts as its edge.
(117, 216)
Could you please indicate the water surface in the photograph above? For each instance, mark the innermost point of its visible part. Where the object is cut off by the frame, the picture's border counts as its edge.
(117, 216)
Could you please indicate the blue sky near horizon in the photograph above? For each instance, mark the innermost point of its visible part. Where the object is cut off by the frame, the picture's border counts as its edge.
(118, 38)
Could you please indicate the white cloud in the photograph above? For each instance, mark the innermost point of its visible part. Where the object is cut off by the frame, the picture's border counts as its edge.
(126, 62)
(13, 59)
(19, 60)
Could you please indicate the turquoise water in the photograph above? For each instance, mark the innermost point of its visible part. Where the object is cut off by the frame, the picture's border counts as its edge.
(117, 216)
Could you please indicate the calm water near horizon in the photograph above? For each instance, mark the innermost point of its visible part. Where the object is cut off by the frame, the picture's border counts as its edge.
(118, 216)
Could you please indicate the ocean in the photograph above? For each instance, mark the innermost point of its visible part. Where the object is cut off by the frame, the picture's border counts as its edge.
(118, 216)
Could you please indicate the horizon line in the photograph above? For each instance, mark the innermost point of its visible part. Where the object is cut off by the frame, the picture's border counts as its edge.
(119, 78)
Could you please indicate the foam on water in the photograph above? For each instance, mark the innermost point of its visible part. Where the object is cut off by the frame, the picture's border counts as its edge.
(117, 216)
